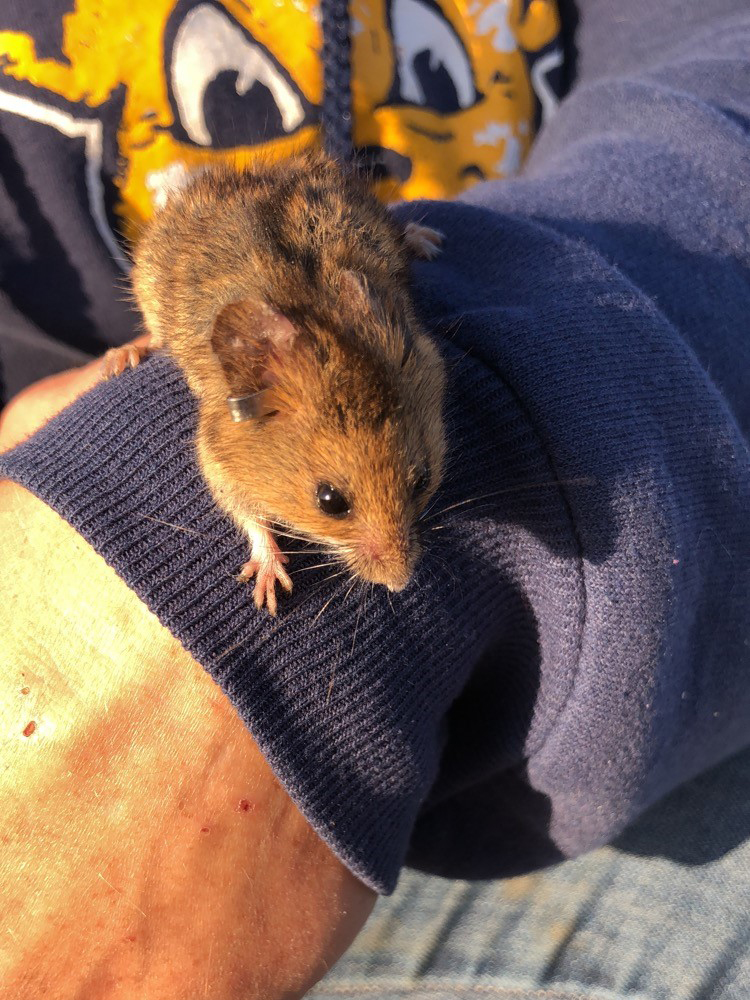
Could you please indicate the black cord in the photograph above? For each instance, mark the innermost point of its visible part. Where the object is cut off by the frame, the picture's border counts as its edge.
(336, 113)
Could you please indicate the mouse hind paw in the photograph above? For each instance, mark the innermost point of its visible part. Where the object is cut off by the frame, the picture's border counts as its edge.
(118, 359)
(422, 241)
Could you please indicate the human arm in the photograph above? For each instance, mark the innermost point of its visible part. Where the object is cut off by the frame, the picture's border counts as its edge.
(147, 846)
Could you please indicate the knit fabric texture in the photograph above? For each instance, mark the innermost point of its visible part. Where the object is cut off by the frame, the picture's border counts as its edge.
(576, 641)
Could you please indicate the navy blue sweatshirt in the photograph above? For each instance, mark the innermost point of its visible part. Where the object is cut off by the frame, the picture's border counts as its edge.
(576, 641)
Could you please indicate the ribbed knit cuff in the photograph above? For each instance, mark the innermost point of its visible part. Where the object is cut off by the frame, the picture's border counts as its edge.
(346, 705)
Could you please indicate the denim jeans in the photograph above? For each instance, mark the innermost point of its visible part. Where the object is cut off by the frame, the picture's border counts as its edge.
(664, 914)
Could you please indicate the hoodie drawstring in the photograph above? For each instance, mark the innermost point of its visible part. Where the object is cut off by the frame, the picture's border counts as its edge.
(336, 113)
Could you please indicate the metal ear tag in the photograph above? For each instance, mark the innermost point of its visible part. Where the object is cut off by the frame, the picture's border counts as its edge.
(250, 407)
(242, 408)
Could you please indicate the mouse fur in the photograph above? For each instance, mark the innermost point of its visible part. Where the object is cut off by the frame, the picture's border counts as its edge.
(289, 282)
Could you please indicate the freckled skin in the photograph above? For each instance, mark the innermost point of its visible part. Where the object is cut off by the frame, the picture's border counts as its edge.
(291, 280)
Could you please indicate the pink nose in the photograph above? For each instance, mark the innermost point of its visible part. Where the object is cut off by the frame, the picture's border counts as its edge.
(389, 563)
(373, 548)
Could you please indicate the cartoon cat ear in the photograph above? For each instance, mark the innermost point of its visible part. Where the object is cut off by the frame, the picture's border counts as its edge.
(248, 337)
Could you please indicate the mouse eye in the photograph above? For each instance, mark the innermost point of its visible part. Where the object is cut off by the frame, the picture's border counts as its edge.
(422, 481)
(332, 501)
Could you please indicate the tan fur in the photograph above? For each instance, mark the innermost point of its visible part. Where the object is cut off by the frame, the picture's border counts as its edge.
(292, 279)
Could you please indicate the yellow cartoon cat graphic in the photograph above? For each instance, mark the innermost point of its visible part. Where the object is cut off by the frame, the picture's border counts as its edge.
(442, 95)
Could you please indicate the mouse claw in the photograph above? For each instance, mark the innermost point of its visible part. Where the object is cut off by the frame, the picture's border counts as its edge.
(423, 242)
(117, 359)
(268, 570)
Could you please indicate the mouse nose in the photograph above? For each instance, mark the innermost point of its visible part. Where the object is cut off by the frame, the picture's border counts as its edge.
(391, 562)
(393, 575)
(398, 581)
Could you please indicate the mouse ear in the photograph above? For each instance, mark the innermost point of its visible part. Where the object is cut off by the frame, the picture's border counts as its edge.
(354, 289)
(358, 295)
(357, 292)
(246, 337)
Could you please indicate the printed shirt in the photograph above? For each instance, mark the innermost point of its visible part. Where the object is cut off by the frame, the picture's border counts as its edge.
(99, 99)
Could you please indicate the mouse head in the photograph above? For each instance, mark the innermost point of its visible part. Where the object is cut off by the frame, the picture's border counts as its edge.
(334, 425)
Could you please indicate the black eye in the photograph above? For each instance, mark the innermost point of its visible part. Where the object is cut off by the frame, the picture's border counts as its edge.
(422, 481)
(332, 501)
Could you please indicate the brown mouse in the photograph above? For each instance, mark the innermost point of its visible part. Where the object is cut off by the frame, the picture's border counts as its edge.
(282, 292)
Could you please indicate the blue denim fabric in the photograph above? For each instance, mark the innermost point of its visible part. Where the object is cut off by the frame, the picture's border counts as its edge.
(662, 915)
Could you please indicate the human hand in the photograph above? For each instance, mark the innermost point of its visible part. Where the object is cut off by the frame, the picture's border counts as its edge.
(147, 847)
(32, 408)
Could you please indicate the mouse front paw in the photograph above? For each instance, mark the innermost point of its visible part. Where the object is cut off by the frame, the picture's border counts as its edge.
(266, 566)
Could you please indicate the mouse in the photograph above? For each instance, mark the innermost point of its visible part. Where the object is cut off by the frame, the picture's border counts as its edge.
(282, 292)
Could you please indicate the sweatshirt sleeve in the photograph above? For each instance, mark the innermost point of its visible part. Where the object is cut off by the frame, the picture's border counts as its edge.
(609, 290)
(576, 640)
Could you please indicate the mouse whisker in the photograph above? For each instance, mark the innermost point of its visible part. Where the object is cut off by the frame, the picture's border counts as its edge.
(320, 586)
(522, 487)
(294, 537)
(362, 601)
(388, 595)
(308, 569)
(428, 508)
(339, 553)
(446, 566)
(356, 626)
(344, 569)
(355, 581)
(333, 576)
(287, 529)
(321, 612)
(305, 552)
(450, 365)
(177, 527)
(470, 512)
